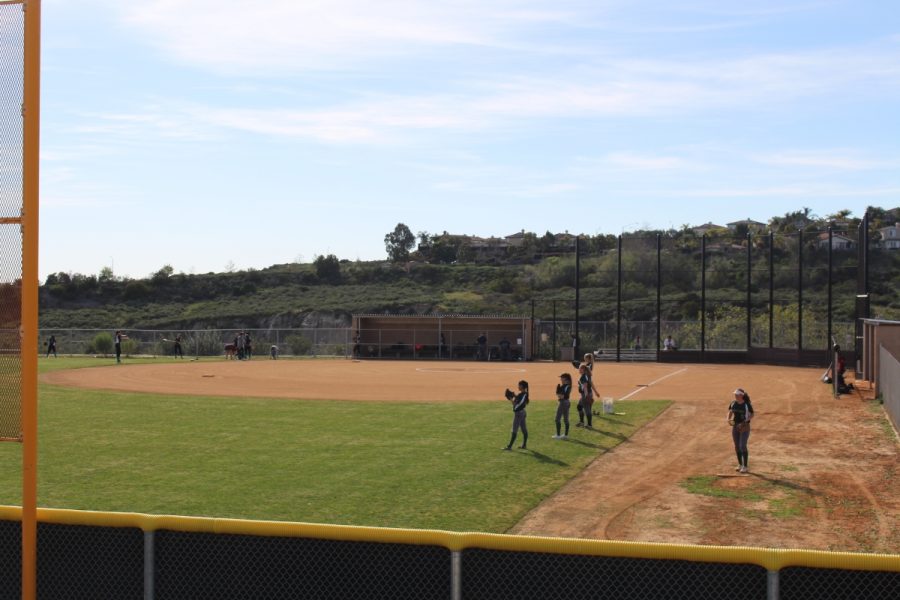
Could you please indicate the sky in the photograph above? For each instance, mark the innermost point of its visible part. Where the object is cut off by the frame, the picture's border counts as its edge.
(219, 135)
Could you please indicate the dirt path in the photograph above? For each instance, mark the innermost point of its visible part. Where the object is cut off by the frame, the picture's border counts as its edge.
(824, 472)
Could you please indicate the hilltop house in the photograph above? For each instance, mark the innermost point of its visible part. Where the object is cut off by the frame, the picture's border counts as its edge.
(838, 241)
(706, 228)
(748, 225)
(890, 237)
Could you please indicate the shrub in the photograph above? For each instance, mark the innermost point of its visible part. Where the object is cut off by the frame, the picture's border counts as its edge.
(102, 344)
(299, 344)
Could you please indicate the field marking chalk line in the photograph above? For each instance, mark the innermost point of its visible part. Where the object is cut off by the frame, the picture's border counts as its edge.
(644, 386)
(467, 370)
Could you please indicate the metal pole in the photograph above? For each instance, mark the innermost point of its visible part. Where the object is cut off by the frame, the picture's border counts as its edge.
(658, 293)
(800, 290)
(554, 332)
(772, 586)
(456, 575)
(576, 343)
(829, 334)
(703, 297)
(771, 289)
(29, 325)
(532, 330)
(749, 296)
(619, 299)
(149, 565)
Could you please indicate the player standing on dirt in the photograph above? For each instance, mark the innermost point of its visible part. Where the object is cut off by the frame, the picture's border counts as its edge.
(563, 390)
(519, 401)
(740, 412)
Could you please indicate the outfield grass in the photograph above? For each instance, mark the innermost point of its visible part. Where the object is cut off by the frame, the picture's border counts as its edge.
(361, 463)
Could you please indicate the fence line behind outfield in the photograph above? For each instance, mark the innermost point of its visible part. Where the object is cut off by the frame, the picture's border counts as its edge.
(200, 342)
(553, 340)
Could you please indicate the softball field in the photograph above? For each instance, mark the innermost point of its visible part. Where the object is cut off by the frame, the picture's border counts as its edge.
(824, 471)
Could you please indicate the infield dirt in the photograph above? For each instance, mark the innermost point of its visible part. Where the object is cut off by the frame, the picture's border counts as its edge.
(823, 471)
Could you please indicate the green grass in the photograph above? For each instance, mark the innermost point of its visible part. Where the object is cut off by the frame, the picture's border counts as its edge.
(705, 485)
(783, 499)
(381, 464)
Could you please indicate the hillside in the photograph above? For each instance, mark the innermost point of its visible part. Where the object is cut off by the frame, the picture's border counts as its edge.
(308, 295)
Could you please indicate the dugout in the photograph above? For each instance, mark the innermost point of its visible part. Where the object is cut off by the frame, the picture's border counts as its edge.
(508, 338)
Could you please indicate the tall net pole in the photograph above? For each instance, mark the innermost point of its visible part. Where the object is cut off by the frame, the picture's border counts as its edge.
(29, 326)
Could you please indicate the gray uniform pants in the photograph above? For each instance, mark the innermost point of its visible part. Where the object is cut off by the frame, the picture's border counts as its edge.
(519, 421)
(562, 411)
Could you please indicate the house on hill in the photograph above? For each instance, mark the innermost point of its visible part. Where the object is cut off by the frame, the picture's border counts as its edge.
(748, 225)
(890, 237)
(706, 228)
(838, 242)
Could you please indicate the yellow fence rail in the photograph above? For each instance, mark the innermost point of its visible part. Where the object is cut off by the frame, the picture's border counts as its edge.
(628, 562)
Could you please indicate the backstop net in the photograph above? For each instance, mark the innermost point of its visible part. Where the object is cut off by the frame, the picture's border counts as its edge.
(11, 206)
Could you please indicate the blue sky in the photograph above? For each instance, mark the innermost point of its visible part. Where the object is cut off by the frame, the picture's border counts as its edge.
(233, 134)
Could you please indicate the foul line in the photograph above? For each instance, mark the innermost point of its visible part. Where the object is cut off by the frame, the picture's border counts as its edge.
(652, 383)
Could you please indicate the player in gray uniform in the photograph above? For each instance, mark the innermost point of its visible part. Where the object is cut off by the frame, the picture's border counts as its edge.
(563, 390)
(519, 401)
(740, 412)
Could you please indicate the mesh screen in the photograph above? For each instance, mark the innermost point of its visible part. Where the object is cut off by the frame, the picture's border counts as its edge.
(799, 583)
(496, 574)
(11, 94)
(196, 565)
(10, 560)
(78, 561)
(681, 291)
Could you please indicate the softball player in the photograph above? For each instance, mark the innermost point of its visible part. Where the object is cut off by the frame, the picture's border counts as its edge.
(740, 412)
(586, 389)
(519, 401)
(563, 390)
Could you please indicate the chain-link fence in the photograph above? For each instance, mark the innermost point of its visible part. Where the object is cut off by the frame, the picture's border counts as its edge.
(11, 211)
(263, 343)
(765, 295)
(109, 555)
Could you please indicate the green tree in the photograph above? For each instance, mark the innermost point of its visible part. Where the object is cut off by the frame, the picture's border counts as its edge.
(328, 268)
(399, 242)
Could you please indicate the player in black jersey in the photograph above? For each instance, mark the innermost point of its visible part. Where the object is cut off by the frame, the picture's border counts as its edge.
(563, 390)
(740, 412)
(519, 401)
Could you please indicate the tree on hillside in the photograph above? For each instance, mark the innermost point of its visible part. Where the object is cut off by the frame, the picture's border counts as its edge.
(328, 268)
(399, 242)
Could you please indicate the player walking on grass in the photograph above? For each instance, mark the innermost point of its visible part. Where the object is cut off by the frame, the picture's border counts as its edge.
(178, 351)
(519, 401)
(563, 390)
(740, 412)
(117, 340)
(51, 346)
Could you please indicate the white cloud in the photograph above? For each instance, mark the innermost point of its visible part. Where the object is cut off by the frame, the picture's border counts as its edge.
(231, 35)
(836, 160)
(644, 162)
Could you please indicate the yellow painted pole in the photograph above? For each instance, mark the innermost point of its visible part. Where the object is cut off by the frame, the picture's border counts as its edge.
(29, 327)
